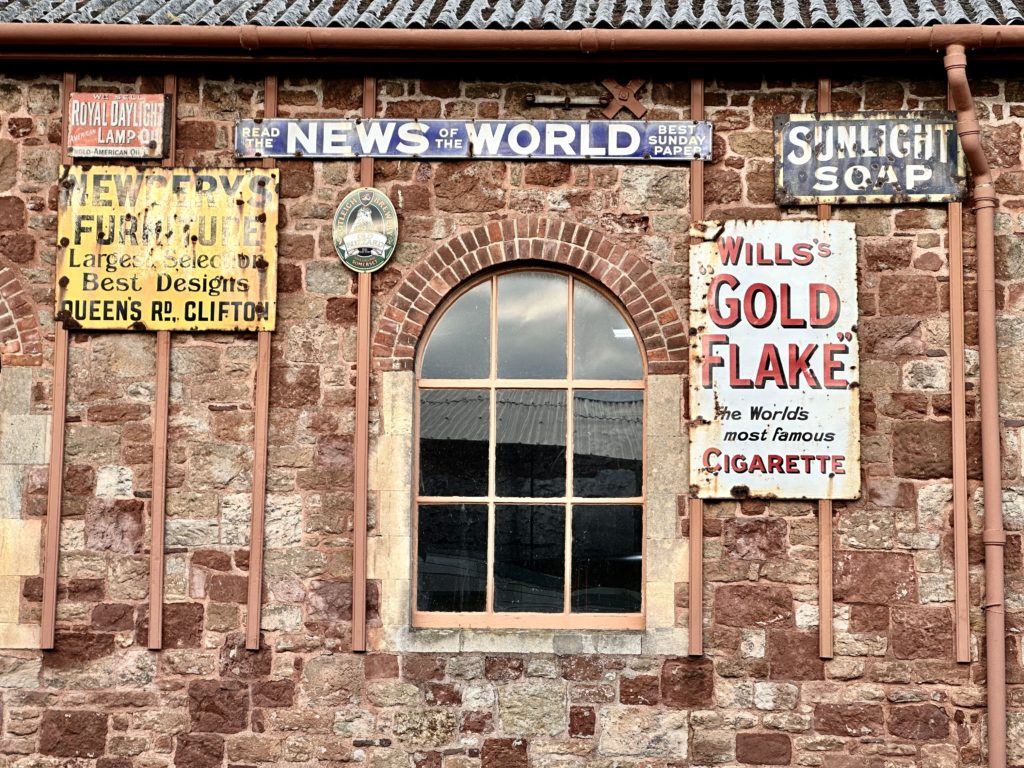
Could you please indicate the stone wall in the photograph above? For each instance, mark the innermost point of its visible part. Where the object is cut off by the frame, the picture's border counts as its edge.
(893, 695)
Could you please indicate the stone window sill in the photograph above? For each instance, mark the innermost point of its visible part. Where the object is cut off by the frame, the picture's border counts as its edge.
(671, 641)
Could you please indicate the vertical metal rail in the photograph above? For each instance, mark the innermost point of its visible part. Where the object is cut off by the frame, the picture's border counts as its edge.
(158, 502)
(260, 441)
(825, 642)
(58, 413)
(958, 395)
(696, 506)
(362, 436)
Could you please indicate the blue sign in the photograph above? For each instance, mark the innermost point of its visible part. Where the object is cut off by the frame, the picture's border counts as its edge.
(854, 158)
(339, 139)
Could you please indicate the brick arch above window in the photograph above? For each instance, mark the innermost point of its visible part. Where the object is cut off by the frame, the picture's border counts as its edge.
(20, 337)
(539, 240)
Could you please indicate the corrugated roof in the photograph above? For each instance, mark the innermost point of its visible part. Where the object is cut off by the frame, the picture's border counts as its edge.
(604, 427)
(520, 14)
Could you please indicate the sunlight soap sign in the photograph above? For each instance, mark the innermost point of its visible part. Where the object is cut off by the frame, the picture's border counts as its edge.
(869, 157)
(774, 407)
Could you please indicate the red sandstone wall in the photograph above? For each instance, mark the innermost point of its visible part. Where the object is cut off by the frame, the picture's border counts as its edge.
(893, 696)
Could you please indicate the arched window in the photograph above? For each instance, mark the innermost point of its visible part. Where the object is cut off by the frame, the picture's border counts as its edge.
(530, 454)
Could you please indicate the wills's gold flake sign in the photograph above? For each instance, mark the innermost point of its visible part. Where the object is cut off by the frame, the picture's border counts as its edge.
(774, 371)
(173, 249)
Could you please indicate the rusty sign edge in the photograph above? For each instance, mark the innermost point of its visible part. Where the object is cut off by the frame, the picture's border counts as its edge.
(158, 153)
(268, 249)
(709, 232)
(782, 197)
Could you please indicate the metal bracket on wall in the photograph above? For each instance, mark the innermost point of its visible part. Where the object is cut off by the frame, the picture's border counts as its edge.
(566, 101)
(624, 97)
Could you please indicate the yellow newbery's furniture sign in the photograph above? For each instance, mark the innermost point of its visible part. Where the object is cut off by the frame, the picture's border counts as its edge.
(174, 249)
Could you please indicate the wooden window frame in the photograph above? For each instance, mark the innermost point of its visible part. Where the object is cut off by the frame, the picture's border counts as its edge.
(489, 618)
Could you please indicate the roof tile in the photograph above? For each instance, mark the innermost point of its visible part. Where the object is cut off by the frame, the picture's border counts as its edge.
(514, 14)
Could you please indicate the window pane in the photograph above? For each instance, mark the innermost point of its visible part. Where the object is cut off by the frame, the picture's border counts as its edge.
(607, 450)
(606, 558)
(451, 557)
(529, 558)
(459, 347)
(454, 428)
(531, 443)
(533, 308)
(605, 347)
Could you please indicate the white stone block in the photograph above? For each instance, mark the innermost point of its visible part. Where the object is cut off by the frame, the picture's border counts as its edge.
(396, 404)
(191, 533)
(235, 519)
(20, 547)
(114, 482)
(283, 520)
(10, 490)
(620, 643)
(24, 439)
(672, 641)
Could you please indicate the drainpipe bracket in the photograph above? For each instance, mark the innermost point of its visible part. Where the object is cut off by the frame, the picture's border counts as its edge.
(994, 538)
(589, 41)
(249, 37)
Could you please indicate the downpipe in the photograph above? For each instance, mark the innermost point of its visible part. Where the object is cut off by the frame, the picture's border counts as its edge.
(994, 535)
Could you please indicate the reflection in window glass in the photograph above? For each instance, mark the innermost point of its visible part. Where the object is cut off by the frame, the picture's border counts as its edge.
(529, 558)
(604, 346)
(533, 310)
(451, 564)
(608, 428)
(606, 558)
(530, 453)
(459, 347)
(454, 431)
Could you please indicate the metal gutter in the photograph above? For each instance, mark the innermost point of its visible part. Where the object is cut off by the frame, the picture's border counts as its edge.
(268, 42)
(994, 535)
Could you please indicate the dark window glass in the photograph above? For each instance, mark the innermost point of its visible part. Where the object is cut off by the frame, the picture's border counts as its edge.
(454, 428)
(459, 347)
(607, 448)
(529, 558)
(451, 557)
(604, 344)
(531, 443)
(606, 555)
(533, 311)
(505, 502)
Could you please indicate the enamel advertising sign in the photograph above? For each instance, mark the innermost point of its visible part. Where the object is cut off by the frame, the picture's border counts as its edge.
(870, 157)
(658, 141)
(774, 370)
(167, 249)
(365, 230)
(134, 125)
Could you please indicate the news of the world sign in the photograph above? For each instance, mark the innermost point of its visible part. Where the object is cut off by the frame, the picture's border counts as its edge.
(660, 141)
(774, 372)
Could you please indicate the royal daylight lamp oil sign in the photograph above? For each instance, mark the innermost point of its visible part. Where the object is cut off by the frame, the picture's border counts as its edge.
(133, 125)
(774, 371)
